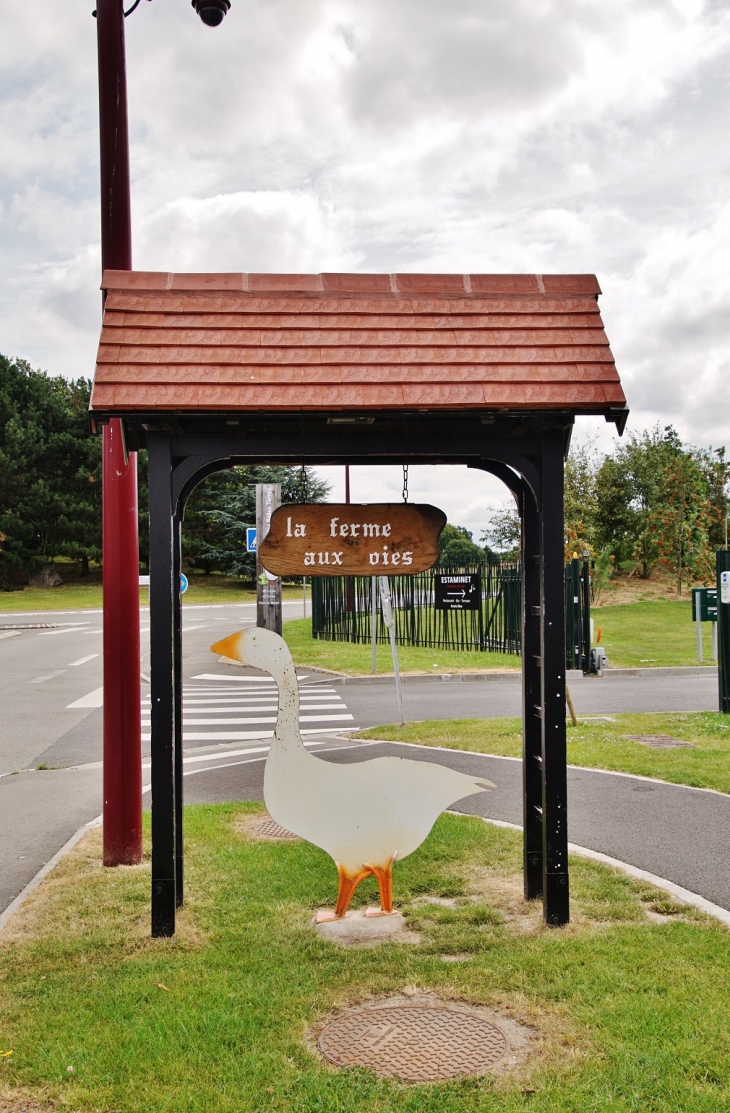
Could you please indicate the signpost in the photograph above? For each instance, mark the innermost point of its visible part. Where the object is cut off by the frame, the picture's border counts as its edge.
(351, 539)
(268, 583)
(723, 624)
(250, 539)
(457, 592)
(389, 621)
(704, 609)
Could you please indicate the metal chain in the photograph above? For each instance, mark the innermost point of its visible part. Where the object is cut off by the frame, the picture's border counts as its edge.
(405, 483)
(303, 484)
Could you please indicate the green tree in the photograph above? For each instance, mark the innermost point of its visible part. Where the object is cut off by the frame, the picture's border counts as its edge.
(220, 509)
(616, 515)
(581, 469)
(680, 523)
(50, 471)
(457, 549)
(716, 471)
(504, 532)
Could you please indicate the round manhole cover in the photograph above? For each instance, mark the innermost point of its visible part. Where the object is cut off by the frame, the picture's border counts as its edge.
(271, 829)
(416, 1043)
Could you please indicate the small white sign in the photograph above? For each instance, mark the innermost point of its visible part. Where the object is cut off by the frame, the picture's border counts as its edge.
(725, 587)
(144, 581)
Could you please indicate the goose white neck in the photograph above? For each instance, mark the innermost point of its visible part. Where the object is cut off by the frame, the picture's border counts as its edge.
(287, 720)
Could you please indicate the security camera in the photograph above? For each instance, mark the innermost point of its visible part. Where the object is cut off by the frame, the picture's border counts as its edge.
(211, 11)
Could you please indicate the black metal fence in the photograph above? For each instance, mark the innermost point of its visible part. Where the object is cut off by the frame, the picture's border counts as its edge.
(342, 608)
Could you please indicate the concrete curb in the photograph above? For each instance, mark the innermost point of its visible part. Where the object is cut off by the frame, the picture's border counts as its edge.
(514, 675)
(45, 870)
(664, 670)
(676, 891)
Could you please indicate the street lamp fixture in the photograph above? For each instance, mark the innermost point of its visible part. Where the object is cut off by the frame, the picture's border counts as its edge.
(211, 11)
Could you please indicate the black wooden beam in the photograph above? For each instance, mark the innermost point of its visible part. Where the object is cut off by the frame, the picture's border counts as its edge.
(177, 706)
(532, 700)
(529, 459)
(162, 684)
(555, 894)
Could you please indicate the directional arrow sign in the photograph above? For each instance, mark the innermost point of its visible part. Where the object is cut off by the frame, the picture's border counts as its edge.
(457, 591)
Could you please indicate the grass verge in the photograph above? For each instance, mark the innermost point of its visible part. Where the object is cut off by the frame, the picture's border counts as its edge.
(596, 743)
(650, 634)
(643, 634)
(646, 634)
(356, 659)
(629, 1001)
(84, 593)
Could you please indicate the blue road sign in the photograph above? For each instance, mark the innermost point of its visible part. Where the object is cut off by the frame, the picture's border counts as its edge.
(183, 583)
(250, 539)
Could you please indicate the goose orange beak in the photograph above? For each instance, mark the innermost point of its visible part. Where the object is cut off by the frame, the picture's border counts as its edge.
(228, 647)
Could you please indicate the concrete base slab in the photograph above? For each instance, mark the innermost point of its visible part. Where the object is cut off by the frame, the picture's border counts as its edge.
(357, 929)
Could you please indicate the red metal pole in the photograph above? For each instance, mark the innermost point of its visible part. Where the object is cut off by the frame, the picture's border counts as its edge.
(122, 688)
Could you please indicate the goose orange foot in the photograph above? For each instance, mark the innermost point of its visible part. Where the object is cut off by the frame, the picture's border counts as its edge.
(348, 884)
(384, 877)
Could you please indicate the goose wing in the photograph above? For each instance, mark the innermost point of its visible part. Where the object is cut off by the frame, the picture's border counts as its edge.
(368, 811)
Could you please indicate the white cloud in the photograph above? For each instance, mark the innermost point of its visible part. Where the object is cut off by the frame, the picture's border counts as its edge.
(538, 135)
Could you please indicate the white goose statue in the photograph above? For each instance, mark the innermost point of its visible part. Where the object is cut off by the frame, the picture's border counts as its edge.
(364, 815)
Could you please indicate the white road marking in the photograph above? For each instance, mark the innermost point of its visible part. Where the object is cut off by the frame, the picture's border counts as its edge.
(83, 660)
(248, 710)
(266, 719)
(49, 676)
(81, 628)
(226, 706)
(235, 679)
(10, 634)
(233, 753)
(243, 735)
(93, 699)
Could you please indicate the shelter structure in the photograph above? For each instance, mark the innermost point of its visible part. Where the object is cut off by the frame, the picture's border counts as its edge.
(208, 371)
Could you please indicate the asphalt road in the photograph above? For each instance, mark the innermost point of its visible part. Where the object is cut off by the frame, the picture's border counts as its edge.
(375, 702)
(50, 686)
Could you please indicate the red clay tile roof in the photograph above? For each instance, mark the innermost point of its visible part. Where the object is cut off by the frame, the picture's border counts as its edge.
(284, 342)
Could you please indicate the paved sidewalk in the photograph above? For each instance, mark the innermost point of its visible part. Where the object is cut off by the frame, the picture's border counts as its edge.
(39, 812)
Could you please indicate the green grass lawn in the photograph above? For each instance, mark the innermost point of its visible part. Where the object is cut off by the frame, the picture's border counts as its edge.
(81, 593)
(355, 659)
(660, 632)
(629, 1002)
(644, 634)
(596, 744)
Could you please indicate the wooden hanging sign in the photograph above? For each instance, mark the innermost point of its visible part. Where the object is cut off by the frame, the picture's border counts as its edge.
(352, 539)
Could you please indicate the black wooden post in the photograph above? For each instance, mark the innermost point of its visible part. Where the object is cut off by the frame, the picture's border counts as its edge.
(177, 708)
(723, 632)
(586, 615)
(555, 893)
(162, 682)
(531, 699)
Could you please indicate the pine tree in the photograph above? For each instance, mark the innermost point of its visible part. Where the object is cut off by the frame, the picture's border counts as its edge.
(220, 509)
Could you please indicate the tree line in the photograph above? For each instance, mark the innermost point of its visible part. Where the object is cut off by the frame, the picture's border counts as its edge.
(654, 503)
(50, 472)
(51, 489)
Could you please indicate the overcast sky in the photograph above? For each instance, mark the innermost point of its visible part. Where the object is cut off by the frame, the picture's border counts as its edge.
(408, 135)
